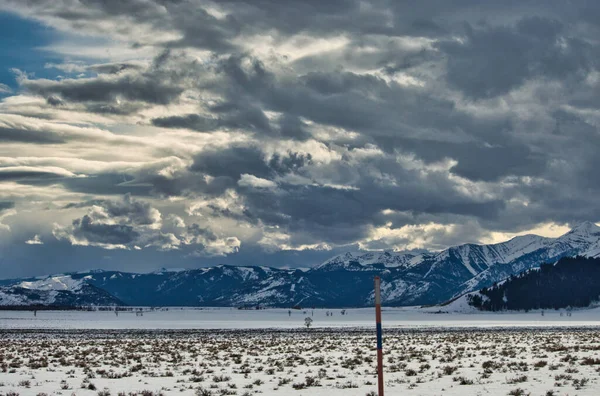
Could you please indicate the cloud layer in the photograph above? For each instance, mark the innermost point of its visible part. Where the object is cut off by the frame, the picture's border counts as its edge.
(250, 130)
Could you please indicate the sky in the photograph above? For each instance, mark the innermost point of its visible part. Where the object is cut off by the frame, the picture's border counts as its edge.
(171, 133)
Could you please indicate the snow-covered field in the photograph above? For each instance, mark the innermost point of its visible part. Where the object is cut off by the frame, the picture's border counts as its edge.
(268, 352)
(229, 318)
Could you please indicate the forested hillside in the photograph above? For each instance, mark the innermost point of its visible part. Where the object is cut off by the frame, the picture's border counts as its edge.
(571, 282)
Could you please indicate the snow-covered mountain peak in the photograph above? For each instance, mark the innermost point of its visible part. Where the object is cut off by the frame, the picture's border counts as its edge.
(387, 258)
(585, 229)
(520, 245)
(527, 239)
(64, 282)
(339, 259)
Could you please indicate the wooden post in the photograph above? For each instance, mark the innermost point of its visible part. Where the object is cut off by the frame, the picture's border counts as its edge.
(379, 335)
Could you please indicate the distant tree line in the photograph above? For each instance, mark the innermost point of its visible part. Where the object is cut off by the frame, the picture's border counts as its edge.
(52, 307)
(571, 282)
(41, 307)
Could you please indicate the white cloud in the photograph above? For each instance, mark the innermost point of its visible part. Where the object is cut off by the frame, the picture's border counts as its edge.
(219, 248)
(5, 88)
(36, 240)
(4, 214)
(252, 181)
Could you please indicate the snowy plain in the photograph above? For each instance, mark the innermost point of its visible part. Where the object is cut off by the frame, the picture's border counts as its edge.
(222, 351)
(231, 318)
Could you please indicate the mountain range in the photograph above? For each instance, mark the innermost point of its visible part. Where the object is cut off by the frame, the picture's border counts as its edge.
(343, 281)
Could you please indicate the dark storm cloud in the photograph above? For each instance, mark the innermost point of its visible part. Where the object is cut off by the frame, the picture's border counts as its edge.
(54, 101)
(194, 24)
(293, 127)
(114, 108)
(477, 115)
(5, 205)
(479, 161)
(493, 163)
(243, 116)
(249, 118)
(231, 162)
(106, 184)
(103, 183)
(246, 215)
(365, 103)
(195, 231)
(324, 213)
(345, 215)
(194, 122)
(149, 181)
(319, 211)
(202, 30)
(289, 162)
(336, 99)
(494, 60)
(370, 105)
(112, 234)
(113, 68)
(199, 28)
(142, 88)
(129, 223)
(188, 184)
(29, 175)
(350, 17)
(569, 187)
(160, 83)
(30, 136)
(236, 117)
(112, 222)
(226, 166)
(137, 212)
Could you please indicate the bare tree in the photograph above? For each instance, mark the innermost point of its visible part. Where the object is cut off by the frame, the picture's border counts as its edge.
(308, 322)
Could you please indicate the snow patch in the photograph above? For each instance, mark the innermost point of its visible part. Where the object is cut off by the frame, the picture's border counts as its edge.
(54, 283)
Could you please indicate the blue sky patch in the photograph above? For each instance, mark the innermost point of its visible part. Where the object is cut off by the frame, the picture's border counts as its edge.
(21, 48)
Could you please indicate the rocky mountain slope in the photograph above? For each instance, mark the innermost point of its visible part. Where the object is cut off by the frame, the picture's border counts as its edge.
(345, 280)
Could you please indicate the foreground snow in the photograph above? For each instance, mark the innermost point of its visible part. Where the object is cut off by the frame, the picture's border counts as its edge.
(316, 362)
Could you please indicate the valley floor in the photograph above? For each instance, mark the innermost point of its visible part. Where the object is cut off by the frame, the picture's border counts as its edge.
(319, 361)
(230, 318)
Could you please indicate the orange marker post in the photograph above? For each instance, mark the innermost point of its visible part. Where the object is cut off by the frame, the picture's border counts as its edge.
(379, 335)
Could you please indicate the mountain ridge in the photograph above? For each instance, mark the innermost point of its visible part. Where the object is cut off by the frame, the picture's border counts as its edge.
(408, 278)
(61, 290)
